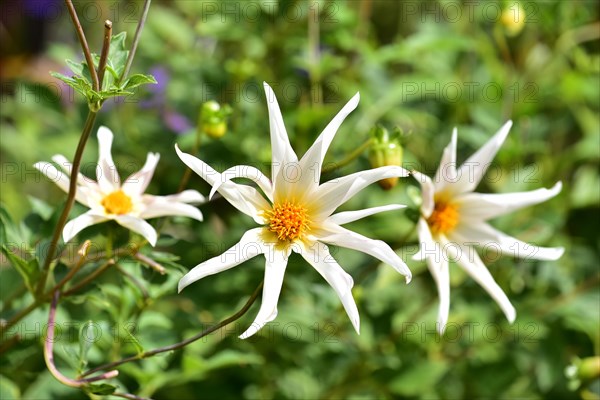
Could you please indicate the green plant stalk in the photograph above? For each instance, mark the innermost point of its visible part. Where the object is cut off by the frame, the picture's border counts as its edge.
(184, 343)
(84, 45)
(85, 134)
(351, 157)
(136, 40)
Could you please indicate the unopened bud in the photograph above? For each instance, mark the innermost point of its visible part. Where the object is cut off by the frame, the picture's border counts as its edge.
(213, 119)
(385, 150)
(513, 19)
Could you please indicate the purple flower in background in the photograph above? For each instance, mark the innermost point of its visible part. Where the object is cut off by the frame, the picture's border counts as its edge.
(176, 122)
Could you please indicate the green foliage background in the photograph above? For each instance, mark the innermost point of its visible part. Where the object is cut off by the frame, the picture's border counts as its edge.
(416, 66)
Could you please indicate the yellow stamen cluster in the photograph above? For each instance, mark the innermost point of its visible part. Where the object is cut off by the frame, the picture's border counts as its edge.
(443, 218)
(288, 220)
(117, 203)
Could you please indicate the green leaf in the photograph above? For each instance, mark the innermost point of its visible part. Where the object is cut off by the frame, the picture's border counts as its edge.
(29, 270)
(137, 80)
(41, 208)
(102, 389)
(84, 344)
(423, 375)
(117, 54)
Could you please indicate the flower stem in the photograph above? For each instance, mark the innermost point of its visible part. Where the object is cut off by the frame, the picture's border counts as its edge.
(184, 343)
(351, 157)
(90, 277)
(85, 134)
(84, 45)
(136, 40)
(105, 49)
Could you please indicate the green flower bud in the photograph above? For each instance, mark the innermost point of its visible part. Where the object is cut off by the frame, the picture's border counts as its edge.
(213, 119)
(385, 150)
(582, 371)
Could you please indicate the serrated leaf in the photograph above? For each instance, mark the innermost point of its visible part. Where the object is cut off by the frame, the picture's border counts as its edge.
(29, 270)
(117, 54)
(102, 389)
(138, 79)
(77, 68)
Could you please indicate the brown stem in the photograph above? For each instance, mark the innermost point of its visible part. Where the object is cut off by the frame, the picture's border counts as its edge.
(129, 396)
(136, 39)
(184, 343)
(90, 277)
(84, 44)
(104, 54)
(85, 134)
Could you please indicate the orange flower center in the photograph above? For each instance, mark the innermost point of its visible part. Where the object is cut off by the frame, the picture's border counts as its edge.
(443, 218)
(117, 203)
(288, 220)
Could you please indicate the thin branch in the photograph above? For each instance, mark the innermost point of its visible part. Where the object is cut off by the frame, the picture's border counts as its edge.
(184, 343)
(85, 134)
(150, 263)
(49, 353)
(82, 258)
(351, 157)
(84, 45)
(90, 277)
(136, 39)
(105, 50)
(129, 396)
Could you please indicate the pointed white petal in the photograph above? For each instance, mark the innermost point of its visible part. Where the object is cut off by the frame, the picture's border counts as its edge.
(137, 183)
(157, 206)
(427, 246)
(68, 168)
(469, 260)
(446, 173)
(312, 162)
(336, 192)
(138, 225)
(187, 196)
(343, 237)
(485, 206)
(106, 172)
(351, 216)
(76, 225)
(274, 272)
(319, 257)
(250, 245)
(484, 234)
(248, 172)
(244, 198)
(61, 180)
(471, 172)
(439, 268)
(427, 193)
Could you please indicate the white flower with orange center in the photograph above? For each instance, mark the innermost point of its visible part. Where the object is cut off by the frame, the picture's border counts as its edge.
(295, 212)
(124, 203)
(453, 218)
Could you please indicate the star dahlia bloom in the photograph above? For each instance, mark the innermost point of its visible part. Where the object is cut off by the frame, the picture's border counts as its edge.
(295, 212)
(124, 203)
(453, 217)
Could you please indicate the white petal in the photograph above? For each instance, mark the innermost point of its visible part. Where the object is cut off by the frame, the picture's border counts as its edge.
(249, 246)
(336, 192)
(106, 172)
(76, 225)
(157, 206)
(68, 168)
(274, 272)
(469, 260)
(248, 172)
(282, 152)
(439, 268)
(137, 183)
(351, 216)
(427, 193)
(471, 172)
(187, 196)
(312, 162)
(61, 180)
(486, 206)
(484, 234)
(446, 173)
(319, 257)
(427, 246)
(138, 225)
(345, 238)
(244, 198)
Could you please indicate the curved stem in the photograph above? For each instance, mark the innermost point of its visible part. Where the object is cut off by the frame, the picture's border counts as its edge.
(84, 45)
(136, 40)
(351, 157)
(49, 353)
(85, 134)
(184, 343)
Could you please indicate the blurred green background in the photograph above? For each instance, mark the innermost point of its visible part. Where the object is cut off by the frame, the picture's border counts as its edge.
(423, 66)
